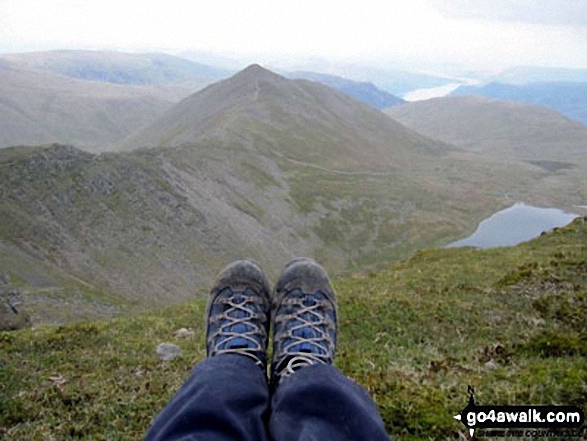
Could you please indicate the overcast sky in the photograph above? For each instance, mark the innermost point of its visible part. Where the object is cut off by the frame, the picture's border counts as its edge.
(472, 33)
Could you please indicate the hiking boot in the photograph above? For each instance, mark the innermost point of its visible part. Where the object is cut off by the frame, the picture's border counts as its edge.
(238, 313)
(304, 319)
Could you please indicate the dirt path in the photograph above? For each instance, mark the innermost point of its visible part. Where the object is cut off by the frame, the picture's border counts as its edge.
(329, 170)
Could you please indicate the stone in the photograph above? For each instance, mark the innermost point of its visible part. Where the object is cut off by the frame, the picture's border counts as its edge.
(490, 365)
(183, 332)
(168, 351)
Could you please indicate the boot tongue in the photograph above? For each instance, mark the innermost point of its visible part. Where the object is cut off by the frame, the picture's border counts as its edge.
(307, 332)
(239, 328)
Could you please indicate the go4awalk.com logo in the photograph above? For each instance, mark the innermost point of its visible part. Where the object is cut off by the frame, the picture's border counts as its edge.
(559, 420)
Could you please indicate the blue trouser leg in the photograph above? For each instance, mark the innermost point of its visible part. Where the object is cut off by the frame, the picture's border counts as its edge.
(319, 403)
(226, 398)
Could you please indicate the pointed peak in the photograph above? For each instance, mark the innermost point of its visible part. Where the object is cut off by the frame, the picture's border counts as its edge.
(255, 71)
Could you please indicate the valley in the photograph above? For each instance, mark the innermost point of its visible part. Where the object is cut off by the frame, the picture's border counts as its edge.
(270, 168)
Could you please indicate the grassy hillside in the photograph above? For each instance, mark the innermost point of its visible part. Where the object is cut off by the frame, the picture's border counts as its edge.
(257, 166)
(498, 128)
(508, 321)
(259, 111)
(39, 107)
(152, 226)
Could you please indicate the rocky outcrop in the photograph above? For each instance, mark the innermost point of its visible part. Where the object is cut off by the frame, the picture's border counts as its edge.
(12, 313)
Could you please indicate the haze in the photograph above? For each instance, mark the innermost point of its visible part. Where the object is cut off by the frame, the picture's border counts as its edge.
(423, 34)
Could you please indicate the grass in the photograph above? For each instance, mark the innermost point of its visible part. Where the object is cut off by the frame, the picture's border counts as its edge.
(375, 219)
(152, 225)
(508, 321)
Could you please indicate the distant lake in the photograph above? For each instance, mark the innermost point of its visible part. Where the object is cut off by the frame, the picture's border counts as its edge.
(431, 92)
(514, 225)
(438, 91)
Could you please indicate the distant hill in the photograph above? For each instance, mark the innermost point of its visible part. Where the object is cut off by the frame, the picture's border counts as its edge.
(40, 107)
(503, 129)
(390, 79)
(362, 91)
(522, 75)
(120, 67)
(568, 98)
(395, 81)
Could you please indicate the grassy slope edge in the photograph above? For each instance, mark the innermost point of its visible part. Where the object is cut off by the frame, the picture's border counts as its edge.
(509, 321)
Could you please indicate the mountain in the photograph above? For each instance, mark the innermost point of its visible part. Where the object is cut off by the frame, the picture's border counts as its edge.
(389, 78)
(120, 67)
(39, 107)
(362, 91)
(134, 228)
(297, 119)
(505, 129)
(509, 320)
(568, 98)
(256, 165)
(523, 75)
(92, 99)
(396, 81)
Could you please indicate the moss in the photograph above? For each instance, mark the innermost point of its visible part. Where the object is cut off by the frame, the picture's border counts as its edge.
(558, 343)
(521, 274)
(568, 308)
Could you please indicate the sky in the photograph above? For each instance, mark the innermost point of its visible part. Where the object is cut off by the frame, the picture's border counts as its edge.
(470, 34)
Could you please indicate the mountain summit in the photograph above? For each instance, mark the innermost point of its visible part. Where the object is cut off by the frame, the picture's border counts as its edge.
(259, 110)
(255, 72)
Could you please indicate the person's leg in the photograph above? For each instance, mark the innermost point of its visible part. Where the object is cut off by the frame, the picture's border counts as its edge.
(227, 396)
(312, 400)
(318, 402)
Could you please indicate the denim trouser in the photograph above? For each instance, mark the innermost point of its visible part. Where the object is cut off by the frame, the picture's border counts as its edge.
(227, 398)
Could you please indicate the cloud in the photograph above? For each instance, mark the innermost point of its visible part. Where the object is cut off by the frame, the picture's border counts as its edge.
(549, 12)
(422, 32)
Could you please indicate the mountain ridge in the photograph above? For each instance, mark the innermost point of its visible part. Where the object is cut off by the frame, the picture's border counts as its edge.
(257, 103)
(38, 107)
(480, 124)
(366, 92)
(568, 98)
(258, 166)
(119, 67)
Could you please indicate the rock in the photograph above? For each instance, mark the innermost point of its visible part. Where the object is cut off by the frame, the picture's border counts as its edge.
(490, 365)
(168, 351)
(183, 332)
(12, 315)
(4, 279)
(58, 380)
